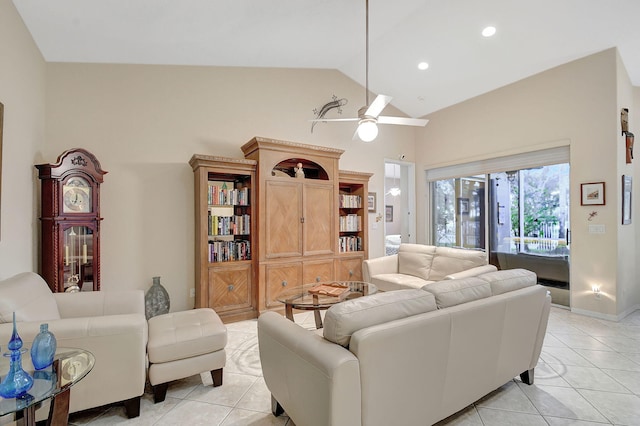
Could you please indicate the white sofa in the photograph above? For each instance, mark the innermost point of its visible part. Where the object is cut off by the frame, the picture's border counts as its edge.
(406, 357)
(111, 325)
(417, 264)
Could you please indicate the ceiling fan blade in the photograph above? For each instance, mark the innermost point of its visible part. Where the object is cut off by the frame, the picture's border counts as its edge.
(406, 121)
(334, 119)
(378, 104)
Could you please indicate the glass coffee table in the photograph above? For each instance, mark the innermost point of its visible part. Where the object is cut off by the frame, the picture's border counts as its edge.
(70, 365)
(303, 299)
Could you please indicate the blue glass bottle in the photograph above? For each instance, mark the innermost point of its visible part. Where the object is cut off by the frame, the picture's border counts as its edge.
(43, 348)
(17, 382)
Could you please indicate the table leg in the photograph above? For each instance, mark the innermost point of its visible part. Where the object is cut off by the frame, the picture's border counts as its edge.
(29, 415)
(59, 409)
(316, 314)
(288, 310)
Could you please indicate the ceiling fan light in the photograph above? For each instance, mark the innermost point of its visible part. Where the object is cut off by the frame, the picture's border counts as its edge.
(367, 130)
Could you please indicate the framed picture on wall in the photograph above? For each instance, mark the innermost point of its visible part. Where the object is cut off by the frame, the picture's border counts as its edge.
(626, 199)
(371, 202)
(592, 194)
(388, 213)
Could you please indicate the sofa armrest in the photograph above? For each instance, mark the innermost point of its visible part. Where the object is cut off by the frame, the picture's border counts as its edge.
(99, 303)
(317, 382)
(118, 343)
(379, 265)
(478, 270)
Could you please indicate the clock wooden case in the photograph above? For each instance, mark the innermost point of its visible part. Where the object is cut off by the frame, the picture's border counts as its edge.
(70, 221)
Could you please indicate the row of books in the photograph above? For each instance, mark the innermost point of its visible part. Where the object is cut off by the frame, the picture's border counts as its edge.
(227, 251)
(350, 223)
(223, 196)
(230, 225)
(350, 243)
(350, 201)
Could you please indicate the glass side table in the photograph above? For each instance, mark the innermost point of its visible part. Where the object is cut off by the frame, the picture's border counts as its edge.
(69, 366)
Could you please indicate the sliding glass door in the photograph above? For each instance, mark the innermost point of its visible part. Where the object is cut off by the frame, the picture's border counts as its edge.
(526, 224)
(458, 215)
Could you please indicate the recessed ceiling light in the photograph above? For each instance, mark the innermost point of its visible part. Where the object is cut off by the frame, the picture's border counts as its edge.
(489, 31)
(423, 66)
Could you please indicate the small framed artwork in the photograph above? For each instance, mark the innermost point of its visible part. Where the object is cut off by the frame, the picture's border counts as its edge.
(626, 199)
(592, 194)
(388, 213)
(371, 202)
(463, 206)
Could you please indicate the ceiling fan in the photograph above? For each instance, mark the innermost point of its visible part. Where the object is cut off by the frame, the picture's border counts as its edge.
(369, 115)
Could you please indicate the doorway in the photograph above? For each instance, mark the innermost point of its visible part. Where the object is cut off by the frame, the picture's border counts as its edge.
(399, 205)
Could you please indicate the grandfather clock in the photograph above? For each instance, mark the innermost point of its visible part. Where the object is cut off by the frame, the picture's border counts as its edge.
(70, 221)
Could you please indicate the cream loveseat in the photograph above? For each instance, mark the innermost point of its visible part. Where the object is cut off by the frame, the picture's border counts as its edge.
(416, 265)
(406, 357)
(110, 325)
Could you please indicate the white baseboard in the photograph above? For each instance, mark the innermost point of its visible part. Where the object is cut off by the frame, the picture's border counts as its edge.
(608, 317)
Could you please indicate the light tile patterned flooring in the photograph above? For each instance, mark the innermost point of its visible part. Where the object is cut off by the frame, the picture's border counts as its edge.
(589, 374)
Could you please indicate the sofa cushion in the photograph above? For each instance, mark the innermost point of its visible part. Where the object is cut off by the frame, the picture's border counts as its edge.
(415, 259)
(449, 260)
(29, 296)
(344, 319)
(389, 282)
(455, 292)
(509, 280)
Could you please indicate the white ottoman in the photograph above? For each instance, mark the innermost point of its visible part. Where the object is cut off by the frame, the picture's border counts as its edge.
(183, 344)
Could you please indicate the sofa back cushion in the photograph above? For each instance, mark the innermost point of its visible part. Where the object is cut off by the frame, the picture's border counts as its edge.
(344, 319)
(449, 260)
(415, 259)
(455, 292)
(29, 296)
(509, 280)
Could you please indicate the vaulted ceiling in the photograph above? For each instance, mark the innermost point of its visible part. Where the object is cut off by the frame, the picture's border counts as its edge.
(531, 36)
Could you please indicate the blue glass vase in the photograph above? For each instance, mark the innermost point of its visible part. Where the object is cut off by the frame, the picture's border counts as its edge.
(43, 348)
(17, 382)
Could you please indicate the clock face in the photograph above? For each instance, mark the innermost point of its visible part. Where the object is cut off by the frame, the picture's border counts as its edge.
(76, 193)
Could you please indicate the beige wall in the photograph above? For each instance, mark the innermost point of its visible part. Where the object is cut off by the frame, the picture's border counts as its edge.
(22, 91)
(143, 123)
(575, 103)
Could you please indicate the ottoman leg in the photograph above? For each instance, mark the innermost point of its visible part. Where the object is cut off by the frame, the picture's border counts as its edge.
(160, 392)
(216, 376)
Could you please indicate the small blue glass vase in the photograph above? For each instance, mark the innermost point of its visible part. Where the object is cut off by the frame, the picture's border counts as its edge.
(17, 382)
(43, 348)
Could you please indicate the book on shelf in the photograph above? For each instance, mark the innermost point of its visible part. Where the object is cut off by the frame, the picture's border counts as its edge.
(229, 225)
(350, 243)
(350, 223)
(348, 201)
(219, 193)
(228, 251)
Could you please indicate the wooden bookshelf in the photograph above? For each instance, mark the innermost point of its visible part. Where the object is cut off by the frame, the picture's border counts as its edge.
(225, 229)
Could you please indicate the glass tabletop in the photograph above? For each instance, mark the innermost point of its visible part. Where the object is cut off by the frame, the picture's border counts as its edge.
(70, 365)
(304, 296)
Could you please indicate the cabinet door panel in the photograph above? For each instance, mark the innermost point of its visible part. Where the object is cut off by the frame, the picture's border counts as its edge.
(318, 271)
(283, 226)
(349, 269)
(280, 278)
(230, 288)
(318, 219)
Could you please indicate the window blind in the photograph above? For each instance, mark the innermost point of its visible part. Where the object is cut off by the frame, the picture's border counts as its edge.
(525, 160)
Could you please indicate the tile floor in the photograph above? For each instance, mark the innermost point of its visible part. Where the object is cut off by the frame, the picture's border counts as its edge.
(589, 374)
